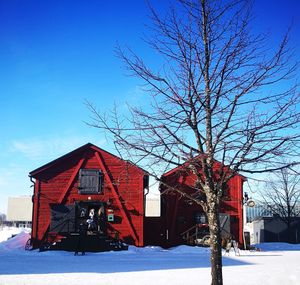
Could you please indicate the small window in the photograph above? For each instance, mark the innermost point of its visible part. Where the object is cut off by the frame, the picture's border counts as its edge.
(90, 181)
(200, 218)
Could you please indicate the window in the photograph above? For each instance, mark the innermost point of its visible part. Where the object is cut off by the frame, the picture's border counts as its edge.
(90, 181)
(200, 218)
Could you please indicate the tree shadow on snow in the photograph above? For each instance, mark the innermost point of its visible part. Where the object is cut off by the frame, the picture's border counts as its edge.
(106, 262)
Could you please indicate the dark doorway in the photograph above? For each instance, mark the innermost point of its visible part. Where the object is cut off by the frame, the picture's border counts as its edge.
(91, 214)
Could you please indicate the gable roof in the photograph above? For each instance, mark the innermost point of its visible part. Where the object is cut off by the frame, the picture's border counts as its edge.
(79, 150)
(180, 167)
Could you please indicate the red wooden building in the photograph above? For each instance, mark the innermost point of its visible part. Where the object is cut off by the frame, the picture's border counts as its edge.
(91, 186)
(184, 222)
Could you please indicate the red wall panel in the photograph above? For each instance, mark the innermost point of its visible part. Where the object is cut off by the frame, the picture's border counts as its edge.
(126, 179)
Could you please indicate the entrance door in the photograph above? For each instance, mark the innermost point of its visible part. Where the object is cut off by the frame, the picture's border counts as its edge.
(92, 215)
(62, 218)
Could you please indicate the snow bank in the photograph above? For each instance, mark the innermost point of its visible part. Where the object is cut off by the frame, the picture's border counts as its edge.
(181, 249)
(278, 246)
(190, 250)
(8, 232)
(9, 243)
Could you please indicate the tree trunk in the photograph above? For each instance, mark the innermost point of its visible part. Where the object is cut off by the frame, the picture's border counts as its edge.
(215, 243)
(289, 230)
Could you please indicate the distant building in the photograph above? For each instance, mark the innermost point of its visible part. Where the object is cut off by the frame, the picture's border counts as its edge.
(19, 211)
(265, 211)
(152, 206)
(265, 226)
(256, 212)
(273, 229)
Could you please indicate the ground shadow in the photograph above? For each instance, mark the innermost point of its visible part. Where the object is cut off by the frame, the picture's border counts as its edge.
(35, 262)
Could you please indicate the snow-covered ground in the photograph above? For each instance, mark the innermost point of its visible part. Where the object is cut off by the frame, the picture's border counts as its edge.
(7, 232)
(276, 264)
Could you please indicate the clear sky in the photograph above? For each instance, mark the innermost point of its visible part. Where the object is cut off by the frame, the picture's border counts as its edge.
(56, 54)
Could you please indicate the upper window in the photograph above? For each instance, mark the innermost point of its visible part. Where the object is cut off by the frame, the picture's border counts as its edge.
(90, 181)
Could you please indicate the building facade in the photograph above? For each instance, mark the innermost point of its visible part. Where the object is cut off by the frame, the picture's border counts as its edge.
(182, 221)
(19, 211)
(92, 188)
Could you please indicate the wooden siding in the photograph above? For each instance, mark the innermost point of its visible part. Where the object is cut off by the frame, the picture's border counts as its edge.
(177, 212)
(122, 187)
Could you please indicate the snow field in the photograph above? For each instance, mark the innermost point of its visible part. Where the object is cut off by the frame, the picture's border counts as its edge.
(276, 264)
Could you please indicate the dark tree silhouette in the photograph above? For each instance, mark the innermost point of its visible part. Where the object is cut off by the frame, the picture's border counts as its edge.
(215, 98)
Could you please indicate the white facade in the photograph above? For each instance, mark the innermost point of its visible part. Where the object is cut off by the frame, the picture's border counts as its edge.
(19, 209)
(152, 206)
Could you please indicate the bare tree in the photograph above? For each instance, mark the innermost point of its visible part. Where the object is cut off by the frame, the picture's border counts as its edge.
(282, 196)
(215, 98)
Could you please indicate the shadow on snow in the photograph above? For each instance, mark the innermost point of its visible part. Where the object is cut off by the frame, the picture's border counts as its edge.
(136, 259)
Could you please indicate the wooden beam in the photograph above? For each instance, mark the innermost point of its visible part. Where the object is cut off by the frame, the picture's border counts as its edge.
(71, 181)
(36, 194)
(65, 191)
(174, 218)
(116, 196)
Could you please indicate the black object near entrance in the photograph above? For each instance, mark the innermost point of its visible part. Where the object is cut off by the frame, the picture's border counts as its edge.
(67, 219)
(62, 219)
(68, 222)
(91, 214)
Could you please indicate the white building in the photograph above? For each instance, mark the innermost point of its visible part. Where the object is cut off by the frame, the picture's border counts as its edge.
(153, 206)
(19, 211)
(153, 199)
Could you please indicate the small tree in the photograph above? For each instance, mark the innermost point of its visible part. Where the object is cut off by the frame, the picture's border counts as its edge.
(210, 101)
(282, 196)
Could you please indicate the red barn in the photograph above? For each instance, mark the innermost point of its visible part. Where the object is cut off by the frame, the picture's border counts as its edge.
(91, 186)
(184, 222)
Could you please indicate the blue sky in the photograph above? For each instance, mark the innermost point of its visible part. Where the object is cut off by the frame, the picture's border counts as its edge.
(54, 55)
